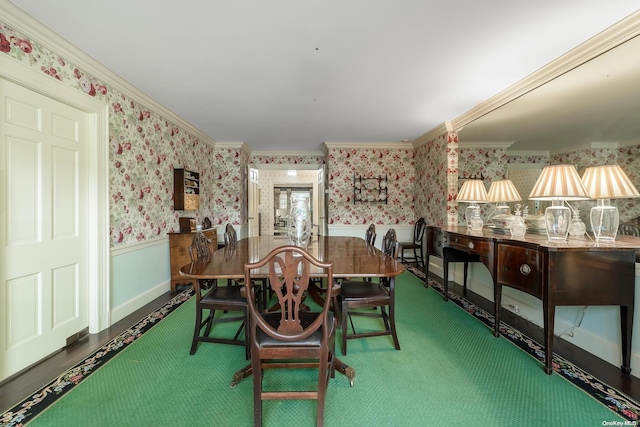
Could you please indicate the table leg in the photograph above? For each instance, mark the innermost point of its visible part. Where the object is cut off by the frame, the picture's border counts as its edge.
(626, 324)
(497, 306)
(549, 312)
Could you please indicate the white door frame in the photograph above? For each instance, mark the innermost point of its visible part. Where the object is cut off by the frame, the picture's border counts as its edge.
(98, 221)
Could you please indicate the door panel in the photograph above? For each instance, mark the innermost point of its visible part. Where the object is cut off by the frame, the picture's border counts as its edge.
(43, 231)
(254, 202)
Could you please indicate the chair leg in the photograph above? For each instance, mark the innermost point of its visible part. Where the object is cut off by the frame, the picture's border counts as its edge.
(322, 388)
(196, 332)
(256, 364)
(345, 315)
(392, 321)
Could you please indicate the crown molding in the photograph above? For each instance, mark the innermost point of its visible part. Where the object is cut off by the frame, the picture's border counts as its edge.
(374, 145)
(629, 143)
(486, 144)
(26, 24)
(239, 145)
(606, 40)
(442, 129)
(289, 153)
(528, 153)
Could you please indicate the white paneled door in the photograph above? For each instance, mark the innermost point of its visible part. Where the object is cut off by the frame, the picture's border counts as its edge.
(254, 202)
(43, 225)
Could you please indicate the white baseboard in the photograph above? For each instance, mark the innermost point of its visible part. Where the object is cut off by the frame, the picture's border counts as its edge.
(123, 310)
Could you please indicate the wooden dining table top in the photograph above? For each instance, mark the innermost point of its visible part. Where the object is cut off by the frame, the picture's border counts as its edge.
(351, 257)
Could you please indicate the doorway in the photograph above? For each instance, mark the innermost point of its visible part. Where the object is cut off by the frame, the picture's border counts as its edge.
(283, 198)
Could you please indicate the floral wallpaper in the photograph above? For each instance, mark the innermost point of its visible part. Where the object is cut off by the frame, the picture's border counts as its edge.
(399, 167)
(628, 157)
(288, 160)
(518, 158)
(144, 147)
(435, 160)
(493, 163)
(230, 186)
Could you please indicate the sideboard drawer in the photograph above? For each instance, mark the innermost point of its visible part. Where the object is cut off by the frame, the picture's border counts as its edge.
(520, 268)
(469, 244)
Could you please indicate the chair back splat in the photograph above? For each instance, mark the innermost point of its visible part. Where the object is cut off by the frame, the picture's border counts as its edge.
(230, 235)
(629, 229)
(292, 337)
(370, 235)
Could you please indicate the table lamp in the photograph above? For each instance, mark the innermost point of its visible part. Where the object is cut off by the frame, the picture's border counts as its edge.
(473, 192)
(501, 192)
(605, 183)
(558, 183)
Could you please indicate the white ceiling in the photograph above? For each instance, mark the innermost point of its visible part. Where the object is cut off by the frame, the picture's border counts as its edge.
(288, 75)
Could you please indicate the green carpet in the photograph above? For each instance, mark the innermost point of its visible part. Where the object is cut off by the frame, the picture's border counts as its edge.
(450, 371)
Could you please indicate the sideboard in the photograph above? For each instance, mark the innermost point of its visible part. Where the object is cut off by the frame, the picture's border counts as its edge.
(179, 253)
(578, 271)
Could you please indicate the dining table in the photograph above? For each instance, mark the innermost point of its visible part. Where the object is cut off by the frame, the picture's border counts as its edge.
(351, 258)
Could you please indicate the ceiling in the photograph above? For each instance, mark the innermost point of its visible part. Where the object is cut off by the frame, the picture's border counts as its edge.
(288, 75)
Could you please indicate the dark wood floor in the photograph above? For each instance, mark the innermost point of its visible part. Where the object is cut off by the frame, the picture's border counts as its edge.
(19, 387)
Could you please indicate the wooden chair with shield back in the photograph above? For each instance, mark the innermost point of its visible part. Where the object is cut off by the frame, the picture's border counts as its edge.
(220, 299)
(357, 297)
(230, 235)
(370, 235)
(629, 229)
(414, 247)
(291, 337)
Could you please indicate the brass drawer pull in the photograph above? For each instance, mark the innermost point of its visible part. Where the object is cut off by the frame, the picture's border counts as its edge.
(471, 245)
(525, 269)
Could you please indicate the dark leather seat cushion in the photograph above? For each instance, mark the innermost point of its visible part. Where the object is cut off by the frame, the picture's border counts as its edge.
(306, 318)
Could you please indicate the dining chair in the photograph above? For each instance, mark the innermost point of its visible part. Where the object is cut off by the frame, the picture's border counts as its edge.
(370, 235)
(414, 246)
(361, 294)
(230, 235)
(290, 337)
(201, 247)
(629, 229)
(216, 298)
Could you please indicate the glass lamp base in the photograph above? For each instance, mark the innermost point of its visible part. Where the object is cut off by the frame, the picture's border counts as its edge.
(557, 218)
(473, 218)
(604, 221)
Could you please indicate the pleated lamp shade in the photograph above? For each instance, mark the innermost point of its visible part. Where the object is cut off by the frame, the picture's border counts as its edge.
(605, 183)
(472, 191)
(608, 182)
(503, 190)
(559, 182)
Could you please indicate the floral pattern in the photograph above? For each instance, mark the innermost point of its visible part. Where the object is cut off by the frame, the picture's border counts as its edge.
(435, 161)
(398, 165)
(627, 157)
(288, 160)
(144, 148)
